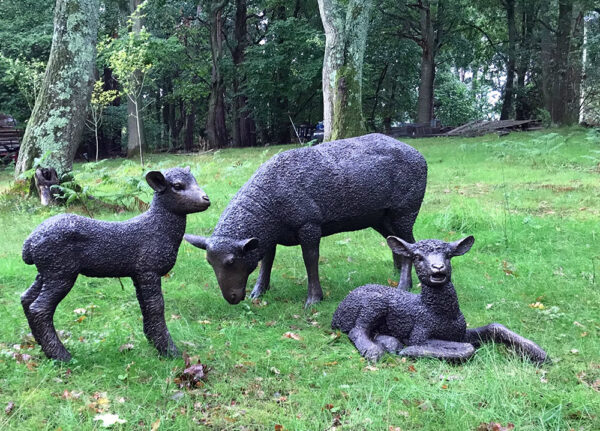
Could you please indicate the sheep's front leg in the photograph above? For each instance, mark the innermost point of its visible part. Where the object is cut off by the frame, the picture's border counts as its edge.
(440, 349)
(150, 297)
(388, 343)
(264, 276)
(310, 237)
(501, 334)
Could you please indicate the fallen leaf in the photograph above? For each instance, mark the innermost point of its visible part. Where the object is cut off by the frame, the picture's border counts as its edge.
(444, 386)
(292, 335)
(576, 323)
(204, 322)
(155, 425)
(537, 305)
(327, 406)
(392, 282)
(80, 311)
(109, 419)
(270, 323)
(393, 428)
(371, 368)
(412, 369)
(275, 370)
(278, 427)
(193, 374)
(574, 351)
(9, 407)
(495, 426)
(81, 318)
(175, 317)
(488, 306)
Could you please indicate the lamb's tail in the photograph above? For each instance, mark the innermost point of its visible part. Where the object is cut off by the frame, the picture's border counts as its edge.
(27, 256)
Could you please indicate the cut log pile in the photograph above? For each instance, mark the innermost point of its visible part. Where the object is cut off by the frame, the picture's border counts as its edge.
(483, 127)
(10, 138)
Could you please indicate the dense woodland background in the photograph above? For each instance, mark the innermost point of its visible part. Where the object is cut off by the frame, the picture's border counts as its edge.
(213, 74)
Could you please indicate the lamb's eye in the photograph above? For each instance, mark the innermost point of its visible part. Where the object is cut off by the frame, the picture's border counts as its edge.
(419, 258)
(229, 260)
(178, 186)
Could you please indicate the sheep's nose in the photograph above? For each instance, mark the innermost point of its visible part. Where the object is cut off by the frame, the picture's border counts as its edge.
(438, 266)
(205, 198)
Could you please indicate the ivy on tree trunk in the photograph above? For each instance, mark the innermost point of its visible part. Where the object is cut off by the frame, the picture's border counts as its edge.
(56, 124)
(346, 25)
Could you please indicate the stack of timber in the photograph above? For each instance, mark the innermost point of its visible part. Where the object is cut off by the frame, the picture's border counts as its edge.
(483, 127)
(10, 138)
(418, 130)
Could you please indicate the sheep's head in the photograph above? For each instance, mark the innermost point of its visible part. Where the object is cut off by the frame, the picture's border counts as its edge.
(431, 257)
(178, 190)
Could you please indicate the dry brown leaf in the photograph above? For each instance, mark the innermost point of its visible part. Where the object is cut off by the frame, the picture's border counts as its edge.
(293, 336)
(9, 408)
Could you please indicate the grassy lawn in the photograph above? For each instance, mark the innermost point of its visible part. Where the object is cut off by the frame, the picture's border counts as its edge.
(532, 201)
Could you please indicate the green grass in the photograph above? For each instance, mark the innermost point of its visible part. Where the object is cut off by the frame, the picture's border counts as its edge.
(532, 201)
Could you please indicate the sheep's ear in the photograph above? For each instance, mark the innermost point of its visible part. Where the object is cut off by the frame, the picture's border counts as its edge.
(196, 240)
(462, 246)
(157, 181)
(249, 245)
(399, 246)
(188, 169)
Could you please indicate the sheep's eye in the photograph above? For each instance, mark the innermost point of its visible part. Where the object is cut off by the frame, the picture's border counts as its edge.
(229, 260)
(178, 186)
(419, 258)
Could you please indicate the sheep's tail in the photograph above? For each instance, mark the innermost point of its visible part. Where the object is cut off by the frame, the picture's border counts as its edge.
(27, 256)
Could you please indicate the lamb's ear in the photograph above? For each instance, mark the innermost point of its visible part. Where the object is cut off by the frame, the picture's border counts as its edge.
(399, 246)
(188, 169)
(462, 246)
(248, 245)
(196, 240)
(157, 181)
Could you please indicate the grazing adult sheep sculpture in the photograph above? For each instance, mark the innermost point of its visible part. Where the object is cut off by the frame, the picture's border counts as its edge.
(380, 319)
(301, 195)
(143, 248)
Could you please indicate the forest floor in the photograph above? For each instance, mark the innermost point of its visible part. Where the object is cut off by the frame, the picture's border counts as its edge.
(532, 201)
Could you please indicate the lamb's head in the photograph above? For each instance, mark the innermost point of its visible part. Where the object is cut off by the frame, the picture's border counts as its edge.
(431, 257)
(177, 191)
(232, 260)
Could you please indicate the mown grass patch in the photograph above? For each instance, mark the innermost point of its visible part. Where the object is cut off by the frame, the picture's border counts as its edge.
(532, 201)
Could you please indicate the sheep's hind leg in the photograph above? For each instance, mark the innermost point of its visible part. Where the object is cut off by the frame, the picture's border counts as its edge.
(501, 334)
(264, 276)
(150, 297)
(440, 349)
(40, 314)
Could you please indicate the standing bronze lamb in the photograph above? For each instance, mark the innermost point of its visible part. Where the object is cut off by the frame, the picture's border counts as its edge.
(301, 195)
(379, 319)
(143, 248)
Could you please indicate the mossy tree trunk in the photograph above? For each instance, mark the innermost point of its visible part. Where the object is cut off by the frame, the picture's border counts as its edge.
(56, 124)
(346, 25)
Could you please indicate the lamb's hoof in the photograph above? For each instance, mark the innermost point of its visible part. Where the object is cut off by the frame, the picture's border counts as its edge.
(388, 343)
(373, 353)
(170, 352)
(62, 355)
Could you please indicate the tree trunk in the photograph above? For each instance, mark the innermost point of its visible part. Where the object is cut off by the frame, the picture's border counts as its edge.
(244, 129)
(136, 143)
(190, 122)
(55, 128)
(216, 130)
(346, 24)
(528, 20)
(427, 72)
(508, 94)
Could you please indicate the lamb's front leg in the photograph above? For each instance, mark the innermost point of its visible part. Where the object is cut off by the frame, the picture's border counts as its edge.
(366, 347)
(501, 334)
(440, 349)
(264, 276)
(150, 297)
